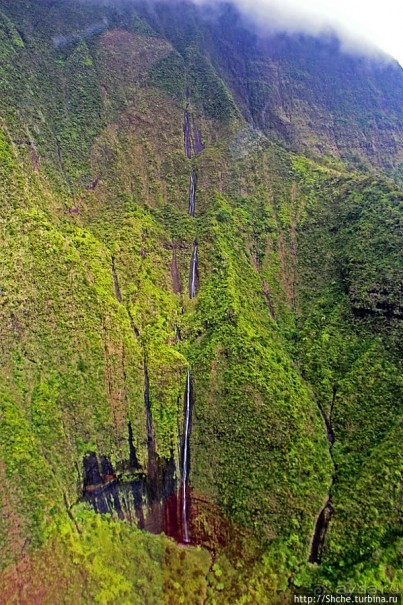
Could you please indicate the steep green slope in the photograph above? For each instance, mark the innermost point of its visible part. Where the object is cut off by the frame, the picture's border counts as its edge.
(349, 349)
(292, 338)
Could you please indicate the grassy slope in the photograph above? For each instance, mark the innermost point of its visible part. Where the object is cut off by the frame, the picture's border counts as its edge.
(271, 332)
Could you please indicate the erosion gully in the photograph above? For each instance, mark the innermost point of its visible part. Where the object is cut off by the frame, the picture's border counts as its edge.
(325, 516)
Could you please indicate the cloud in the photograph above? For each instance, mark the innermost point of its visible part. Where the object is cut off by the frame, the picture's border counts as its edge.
(362, 26)
(368, 28)
(92, 30)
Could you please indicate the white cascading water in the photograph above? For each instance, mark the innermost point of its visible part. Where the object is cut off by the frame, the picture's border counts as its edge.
(188, 402)
(193, 272)
(185, 461)
(192, 193)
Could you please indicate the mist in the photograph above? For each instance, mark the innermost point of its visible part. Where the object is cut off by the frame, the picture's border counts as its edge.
(362, 27)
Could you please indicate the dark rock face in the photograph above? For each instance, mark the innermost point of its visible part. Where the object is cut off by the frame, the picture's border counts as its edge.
(134, 463)
(321, 528)
(92, 475)
(197, 139)
(193, 144)
(128, 492)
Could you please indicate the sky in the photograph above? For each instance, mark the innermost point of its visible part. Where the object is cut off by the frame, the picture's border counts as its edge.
(359, 23)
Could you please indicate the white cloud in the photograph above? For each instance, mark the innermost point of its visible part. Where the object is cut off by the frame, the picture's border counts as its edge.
(361, 24)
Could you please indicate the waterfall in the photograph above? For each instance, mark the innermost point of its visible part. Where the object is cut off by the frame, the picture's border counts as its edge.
(192, 139)
(188, 391)
(193, 271)
(188, 411)
(186, 133)
(185, 457)
(192, 192)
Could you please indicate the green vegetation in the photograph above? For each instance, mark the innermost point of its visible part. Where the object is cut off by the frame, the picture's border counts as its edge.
(348, 348)
(207, 89)
(296, 322)
(169, 75)
(96, 560)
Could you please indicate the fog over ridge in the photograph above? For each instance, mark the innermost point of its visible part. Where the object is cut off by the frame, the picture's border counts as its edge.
(366, 29)
(313, 17)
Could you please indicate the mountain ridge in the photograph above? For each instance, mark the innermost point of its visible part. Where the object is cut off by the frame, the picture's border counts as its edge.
(124, 152)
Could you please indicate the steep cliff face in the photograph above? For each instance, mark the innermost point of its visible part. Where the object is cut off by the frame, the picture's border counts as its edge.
(300, 90)
(200, 305)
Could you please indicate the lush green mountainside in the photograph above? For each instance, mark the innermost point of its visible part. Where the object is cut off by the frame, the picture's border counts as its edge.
(108, 114)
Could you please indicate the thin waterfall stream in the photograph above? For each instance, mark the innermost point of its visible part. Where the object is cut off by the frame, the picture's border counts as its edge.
(186, 133)
(192, 138)
(188, 391)
(193, 271)
(185, 458)
(192, 192)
